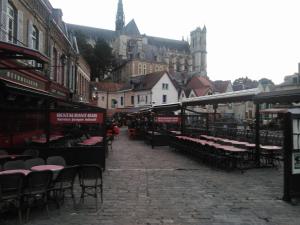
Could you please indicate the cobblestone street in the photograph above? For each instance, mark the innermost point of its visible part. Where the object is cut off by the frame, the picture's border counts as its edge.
(160, 186)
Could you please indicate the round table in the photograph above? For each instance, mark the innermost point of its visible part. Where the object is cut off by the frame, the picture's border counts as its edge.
(25, 172)
(54, 168)
(47, 167)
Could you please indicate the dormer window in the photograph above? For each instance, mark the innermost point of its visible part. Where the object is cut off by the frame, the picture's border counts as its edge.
(11, 23)
(35, 38)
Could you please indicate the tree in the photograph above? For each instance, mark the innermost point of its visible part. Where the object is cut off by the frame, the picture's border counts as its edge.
(244, 83)
(99, 56)
(266, 81)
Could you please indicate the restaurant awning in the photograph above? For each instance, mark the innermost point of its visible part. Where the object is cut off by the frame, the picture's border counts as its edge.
(167, 107)
(13, 51)
(13, 88)
(284, 96)
(228, 97)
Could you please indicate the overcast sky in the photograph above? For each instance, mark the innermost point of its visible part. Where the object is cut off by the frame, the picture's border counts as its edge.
(254, 38)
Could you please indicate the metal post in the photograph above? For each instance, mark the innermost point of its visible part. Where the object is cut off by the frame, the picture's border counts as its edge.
(182, 120)
(287, 147)
(257, 135)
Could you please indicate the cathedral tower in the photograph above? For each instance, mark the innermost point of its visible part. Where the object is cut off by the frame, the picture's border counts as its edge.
(120, 18)
(198, 50)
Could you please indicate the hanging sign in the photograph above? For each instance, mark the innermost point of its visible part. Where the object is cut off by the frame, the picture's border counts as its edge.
(167, 119)
(75, 117)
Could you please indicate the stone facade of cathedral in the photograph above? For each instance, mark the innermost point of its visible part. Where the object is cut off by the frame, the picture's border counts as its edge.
(139, 54)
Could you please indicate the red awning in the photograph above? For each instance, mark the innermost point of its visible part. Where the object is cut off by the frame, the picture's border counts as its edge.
(12, 51)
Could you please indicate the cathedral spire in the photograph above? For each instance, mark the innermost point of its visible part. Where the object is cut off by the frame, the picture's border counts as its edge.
(120, 18)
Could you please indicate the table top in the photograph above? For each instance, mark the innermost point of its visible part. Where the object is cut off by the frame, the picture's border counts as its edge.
(47, 167)
(270, 147)
(25, 172)
(42, 140)
(92, 140)
(13, 156)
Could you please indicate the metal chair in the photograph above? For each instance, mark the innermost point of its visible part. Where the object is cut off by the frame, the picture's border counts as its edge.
(11, 190)
(3, 152)
(29, 163)
(64, 182)
(91, 183)
(15, 164)
(34, 153)
(37, 184)
(56, 160)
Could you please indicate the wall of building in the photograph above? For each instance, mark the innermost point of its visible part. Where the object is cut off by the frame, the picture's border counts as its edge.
(158, 91)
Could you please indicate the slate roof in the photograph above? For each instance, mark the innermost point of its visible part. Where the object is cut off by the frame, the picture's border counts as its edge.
(146, 82)
(131, 29)
(220, 86)
(169, 43)
(93, 32)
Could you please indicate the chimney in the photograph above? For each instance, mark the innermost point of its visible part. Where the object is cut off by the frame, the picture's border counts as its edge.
(57, 15)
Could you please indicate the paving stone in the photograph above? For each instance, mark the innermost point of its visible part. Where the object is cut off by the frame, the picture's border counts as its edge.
(161, 186)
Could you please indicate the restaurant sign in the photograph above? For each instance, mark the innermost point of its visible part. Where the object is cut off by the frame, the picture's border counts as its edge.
(75, 117)
(167, 119)
(22, 79)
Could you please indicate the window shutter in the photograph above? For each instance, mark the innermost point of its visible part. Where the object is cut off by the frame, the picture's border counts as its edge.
(52, 63)
(3, 20)
(29, 34)
(41, 41)
(20, 27)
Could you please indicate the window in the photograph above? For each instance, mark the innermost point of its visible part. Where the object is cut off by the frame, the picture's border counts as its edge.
(140, 69)
(138, 99)
(165, 86)
(132, 100)
(295, 80)
(102, 98)
(113, 103)
(146, 99)
(11, 23)
(145, 69)
(150, 69)
(164, 99)
(156, 68)
(35, 38)
(122, 101)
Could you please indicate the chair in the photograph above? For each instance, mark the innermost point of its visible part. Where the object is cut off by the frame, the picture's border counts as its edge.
(63, 182)
(34, 153)
(11, 190)
(56, 160)
(29, 163)
(15, 164)
(3, 152)
(37, 184)
(90, 180)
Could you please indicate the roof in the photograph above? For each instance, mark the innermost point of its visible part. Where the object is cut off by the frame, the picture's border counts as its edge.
(228, 97)
(93, 32)
(169, 43)
(198, 82)
(284, 96)
(148, 81)
(131, 29)
(221, 86)
(200, 85)
(202, 91)
(107, 86)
